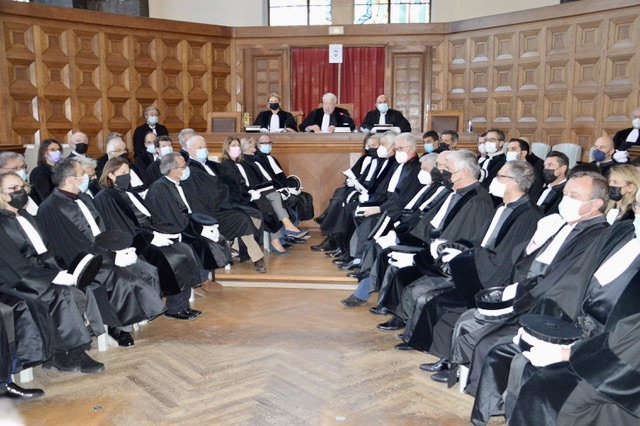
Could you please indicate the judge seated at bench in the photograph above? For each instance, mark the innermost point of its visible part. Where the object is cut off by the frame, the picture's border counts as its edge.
(382, 115)
(275, 119)
(328, 118)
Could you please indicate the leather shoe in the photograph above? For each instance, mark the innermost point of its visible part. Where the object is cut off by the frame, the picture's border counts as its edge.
(328, 244)
(89, 365)
(15, 392)
(404, 347)
(441, 377)
(195, 312)
(349, 266)
(352, 301)
(400, 336)
(123, 338)
(185, 314)
(381, 310)
(259, 266)
(211, 286)
(395, 323)
(335, 254)
(357, 275)
(435, 367)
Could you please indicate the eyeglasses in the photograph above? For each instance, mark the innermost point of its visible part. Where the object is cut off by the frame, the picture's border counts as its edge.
(54, 149)
(121, 151)
(182, 167)
(16, 188)
(492, 140)
(15, 169)
(265, 143)
(401, 148)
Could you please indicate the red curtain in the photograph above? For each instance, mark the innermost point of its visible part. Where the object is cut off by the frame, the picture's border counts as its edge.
(361, 82)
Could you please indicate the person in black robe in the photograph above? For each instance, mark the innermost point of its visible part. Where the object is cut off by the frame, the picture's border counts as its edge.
(629, 137)
(605, 156)
(493, 143)
(554, 174)
(151, 114)
(624, 180)
(519, 149)
(157, 243)
(391, 116)
(71, 224)
(328, 117)
(143, 160)
(163, 146)
(49, 153)
(116, 147)
(284, 119)
(79, 145)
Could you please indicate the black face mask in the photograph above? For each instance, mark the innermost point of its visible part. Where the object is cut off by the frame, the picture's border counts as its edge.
(372, 152)
(18, 199)
(446, 179)
(443, 146)
(274, 106)
(124, 156)
(123, 181)
(81, 148)
(548, 175)
(615, 193)
(436, 175)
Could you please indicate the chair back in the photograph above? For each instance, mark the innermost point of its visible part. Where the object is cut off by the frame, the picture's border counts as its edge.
(540, 149)
(571, 150)
(224, 122)
(440, 121)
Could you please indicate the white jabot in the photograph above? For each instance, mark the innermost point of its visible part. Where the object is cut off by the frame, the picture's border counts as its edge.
(208, 169)
(138, 204)
(243, 173)
(494, 223)
(365, 163)
(611, 215)
(326, 119)
(395, 178)
(383, 119)
(433, 197)
(553, 248)
(181, 192)
(618, 262)
(274, 165)
(633, 136)
(415, 199)
(372, 169)
(274, 124)
(153, 129)
(264, 172)
(95, 229)
(437, 219)
(544, 195)
(384, 166)
(89, 193)
(135, 179)
(32, 207)
(32, 234)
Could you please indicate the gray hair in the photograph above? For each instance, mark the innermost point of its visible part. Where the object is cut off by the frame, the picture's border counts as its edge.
(5, 157)
(87, 163)
(409, 138)
(522, 173)
(151, 108)
(327, 96)
(389, 136)
(169, 162)
(245, 143)
(465, 159)
(183, 136)
(430, 159)
(112, 140)
(600, 187)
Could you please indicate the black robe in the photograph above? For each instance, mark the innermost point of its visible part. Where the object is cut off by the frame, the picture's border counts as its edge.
(620, 140)
(552, 200)
(141, 131)
(142, 163)
(392, 116)
(287, 121)
(340, 117)
(41, 183)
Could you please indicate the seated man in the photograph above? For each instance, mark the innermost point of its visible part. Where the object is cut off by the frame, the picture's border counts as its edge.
(605, 155)
(556, 168)
(384, 115)
(144, 159)
(79, 144)
(629, 137)
(163, 146)
(448, 141)
(493, 143)
(327, 118)
(519, 149)
(117, 148)
(430, 140)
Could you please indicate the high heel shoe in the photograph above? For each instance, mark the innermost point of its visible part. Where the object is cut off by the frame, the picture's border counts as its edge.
(274, 250)
(295, 234)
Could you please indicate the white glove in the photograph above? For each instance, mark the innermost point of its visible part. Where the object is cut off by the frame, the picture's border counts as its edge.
(64, 278)
(621, 156)
(388, 240)
(544, 354)
(360, 211)
(364, 197)
(547, 227)
(211, 232)
(516, 338)
(350, 182)
(295, 191)
(401, 260)
(433, 248)
(449, 254)
(161, 240)
(255, 195)
(126, 257)
(509, 291)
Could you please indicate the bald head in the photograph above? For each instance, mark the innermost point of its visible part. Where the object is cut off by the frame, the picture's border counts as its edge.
(604, 144)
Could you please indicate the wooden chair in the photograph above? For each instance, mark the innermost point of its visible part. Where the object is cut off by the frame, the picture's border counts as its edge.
(298, 116)
(224, 122)
(440, 121)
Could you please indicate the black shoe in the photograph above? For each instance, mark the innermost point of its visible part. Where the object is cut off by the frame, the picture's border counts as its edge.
(184, 314)
(15, 392)
(335, 254)
(63, 361)
(328, 244)
(123, 338)
(400, 336)
(339, 261)
(287, 246)
(357, 275)
(404, 347)
(379, 310)
(435, 367)
(349, 266)
(195, 312)
(353, 301)
(441, 377)
(89, 365)
(394, 323)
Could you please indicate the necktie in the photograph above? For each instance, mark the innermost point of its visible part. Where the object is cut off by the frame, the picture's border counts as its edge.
(544, 195)
(274, 166)
(632, 136)
(274, 123)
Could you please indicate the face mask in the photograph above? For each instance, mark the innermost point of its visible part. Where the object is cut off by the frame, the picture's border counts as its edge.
(383, 108)
(615, 193)
(373, 152)
(599, 155)
(124, 156)
(491, 147)
(402, 157)
(444, 146)
(436, 175)
(636, 225)
(18, 199)
(512, 156)
(424, 177)
(635, 123)
(123, 181)
(202, 154)
(22, 174)
(85, 183)
(265, 148)
(234, 152)
(55, 156)
(428, 147)
(446, 179)
(569, 209)
(274, 106)
(185, 174)
(81, 148)
(497, 188)
(153, 120)
(548, 175)
(151, 149)
(481, 149)
(382, 152)
(165, 150)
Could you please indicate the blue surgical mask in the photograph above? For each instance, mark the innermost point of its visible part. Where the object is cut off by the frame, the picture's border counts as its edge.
(23, 174)
(165, 150)
(152, 120)
(85, 183)
(428, 147)
(151, 149)
(265, 148)
(186, 173)
(202, 154)
(383, 108)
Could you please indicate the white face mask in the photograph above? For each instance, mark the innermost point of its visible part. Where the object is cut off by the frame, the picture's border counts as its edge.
(402, 157)
(481, 148)
(382, 152)
(165, 150)
(497, 188)
(569, 209)
(512, 156)
(151, 149)
(635, 123)
(491, 147)
(424, 177)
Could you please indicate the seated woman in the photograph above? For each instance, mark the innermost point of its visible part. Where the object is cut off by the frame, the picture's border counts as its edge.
(245, 181)
(126, 211)
(49, 153)
(275, 118)
(624, 180)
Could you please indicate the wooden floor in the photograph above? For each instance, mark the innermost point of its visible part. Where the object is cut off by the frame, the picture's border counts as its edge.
(257, 356)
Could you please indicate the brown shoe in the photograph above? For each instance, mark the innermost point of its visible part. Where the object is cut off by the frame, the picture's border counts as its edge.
(211, 286)
(259, 266)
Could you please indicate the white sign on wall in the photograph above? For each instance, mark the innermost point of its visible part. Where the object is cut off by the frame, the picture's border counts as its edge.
(335, 53)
